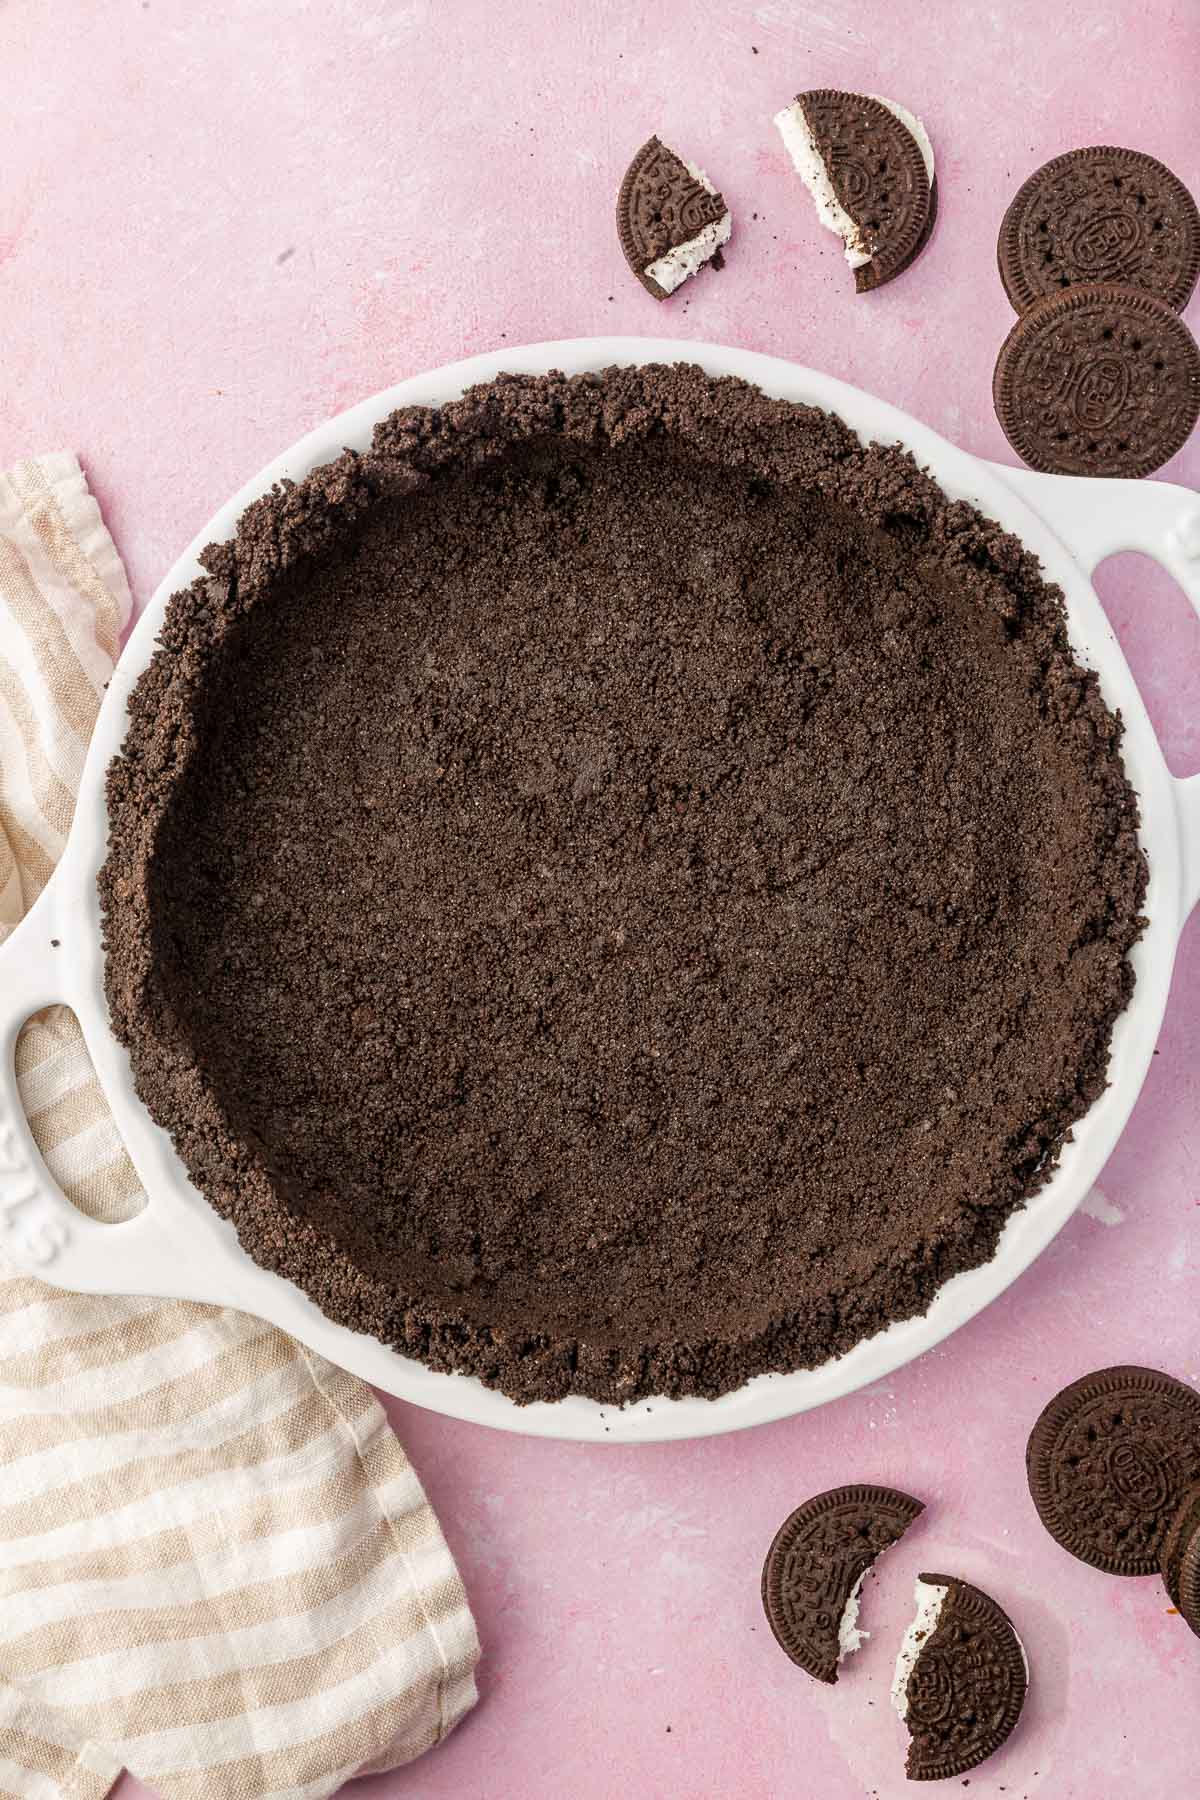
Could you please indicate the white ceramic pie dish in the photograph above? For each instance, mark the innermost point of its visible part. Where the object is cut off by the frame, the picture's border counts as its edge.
(178, 1247)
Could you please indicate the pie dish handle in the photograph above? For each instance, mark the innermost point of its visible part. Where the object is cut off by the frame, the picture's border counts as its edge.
(41, 1232)
(1095, 518)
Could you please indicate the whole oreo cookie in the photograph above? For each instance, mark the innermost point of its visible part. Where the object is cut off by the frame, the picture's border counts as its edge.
(670, 219)
(1180, 1559)
(1101, 214)
(815, 1568)
(1109, 1462)
(1098, 381)
(961, 1679)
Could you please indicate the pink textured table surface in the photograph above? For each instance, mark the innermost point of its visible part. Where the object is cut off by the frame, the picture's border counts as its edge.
(213, 235)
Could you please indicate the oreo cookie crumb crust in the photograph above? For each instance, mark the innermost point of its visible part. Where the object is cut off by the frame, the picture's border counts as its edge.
(619, 888)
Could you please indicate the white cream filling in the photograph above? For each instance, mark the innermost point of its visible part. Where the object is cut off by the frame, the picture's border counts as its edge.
(671, 270)
(929, 1597)
(810, 166)
(850, 1633)
(851, 1636)
(1024, 1658)
(675, 267)
(911, 124)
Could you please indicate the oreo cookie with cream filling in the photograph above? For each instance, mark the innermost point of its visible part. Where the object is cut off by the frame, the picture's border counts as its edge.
(868, 164)
(813, 1575)
(961, 1678)
(670, 219)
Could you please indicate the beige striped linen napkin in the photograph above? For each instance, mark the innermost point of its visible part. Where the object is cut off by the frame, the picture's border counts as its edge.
(217, 1567)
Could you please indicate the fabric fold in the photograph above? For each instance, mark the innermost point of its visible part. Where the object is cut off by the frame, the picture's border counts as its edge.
(218, 1567)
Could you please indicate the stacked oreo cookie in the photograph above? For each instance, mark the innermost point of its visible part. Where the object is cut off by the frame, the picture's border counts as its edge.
(1099, 252)
(1114, 1471)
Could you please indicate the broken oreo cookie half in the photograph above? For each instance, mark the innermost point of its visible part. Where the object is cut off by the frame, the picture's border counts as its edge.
(961, 1678)
(812, 1578)
(670, 218)
(868, 164)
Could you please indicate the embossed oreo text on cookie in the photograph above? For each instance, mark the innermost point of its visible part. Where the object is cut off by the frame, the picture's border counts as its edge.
(851, 178)
(1109, 1462)
(1106, 248)
(1100, 214)
(1139, 1475)
(1099, 381)
(931, 1689)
